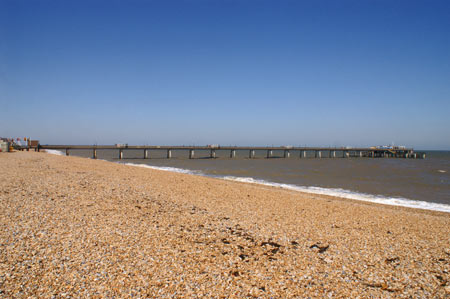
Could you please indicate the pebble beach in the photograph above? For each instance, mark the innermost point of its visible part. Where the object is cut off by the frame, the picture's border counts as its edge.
(74, 227)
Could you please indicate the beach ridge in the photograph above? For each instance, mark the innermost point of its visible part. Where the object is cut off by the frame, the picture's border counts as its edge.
(82, 227)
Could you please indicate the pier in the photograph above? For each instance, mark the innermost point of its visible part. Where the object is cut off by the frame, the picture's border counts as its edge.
(283, 151)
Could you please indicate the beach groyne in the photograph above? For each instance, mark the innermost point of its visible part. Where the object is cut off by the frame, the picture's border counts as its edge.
(77, 227)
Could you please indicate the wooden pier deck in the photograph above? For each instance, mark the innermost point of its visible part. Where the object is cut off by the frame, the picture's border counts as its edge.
(287, 151)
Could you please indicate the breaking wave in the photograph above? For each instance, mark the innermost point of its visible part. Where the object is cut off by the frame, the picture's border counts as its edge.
(342, 193)
(54, 152)
(171, 169)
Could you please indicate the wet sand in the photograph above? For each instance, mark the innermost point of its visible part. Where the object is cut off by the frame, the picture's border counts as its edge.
(75, 227)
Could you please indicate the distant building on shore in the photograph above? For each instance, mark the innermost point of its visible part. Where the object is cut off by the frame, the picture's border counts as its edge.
(4, 145)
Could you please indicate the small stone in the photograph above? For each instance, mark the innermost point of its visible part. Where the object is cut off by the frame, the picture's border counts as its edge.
(447, 289)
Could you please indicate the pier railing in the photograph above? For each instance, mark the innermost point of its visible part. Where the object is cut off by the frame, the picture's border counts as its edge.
(287, 152)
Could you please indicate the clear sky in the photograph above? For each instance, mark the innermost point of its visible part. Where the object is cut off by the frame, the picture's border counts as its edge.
(249, 72)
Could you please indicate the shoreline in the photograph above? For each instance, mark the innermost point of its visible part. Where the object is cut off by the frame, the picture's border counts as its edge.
(327, 191)
(88, 227)
(331, 192)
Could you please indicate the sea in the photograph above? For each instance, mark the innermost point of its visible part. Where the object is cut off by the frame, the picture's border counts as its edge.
(415, 183)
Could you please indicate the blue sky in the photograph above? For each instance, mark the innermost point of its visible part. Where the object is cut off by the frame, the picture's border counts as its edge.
(228, 72)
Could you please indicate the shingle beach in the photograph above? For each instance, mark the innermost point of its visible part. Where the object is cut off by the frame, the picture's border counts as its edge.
(73, 227)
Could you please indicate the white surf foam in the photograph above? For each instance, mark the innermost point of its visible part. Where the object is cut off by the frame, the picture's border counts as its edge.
(442, 171)
(54, 152)
(336, 192)
(164, 168)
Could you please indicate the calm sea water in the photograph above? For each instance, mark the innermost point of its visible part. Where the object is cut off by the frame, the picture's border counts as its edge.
(404, 179)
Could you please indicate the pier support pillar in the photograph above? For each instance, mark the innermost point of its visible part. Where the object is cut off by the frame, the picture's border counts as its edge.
(169, 154)
(360, 154)
(67, 151)
(304, 154)
(347, 154)
(269, 154)
(287, 154)
(212, 154)
(334, 154)
(251, 154)
(120, 154)
(232, 154)
(320, 154)
(94, 154)
(146, 154)
(191, 154)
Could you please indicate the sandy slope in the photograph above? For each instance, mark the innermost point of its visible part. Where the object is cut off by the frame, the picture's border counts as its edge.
(83, 228)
